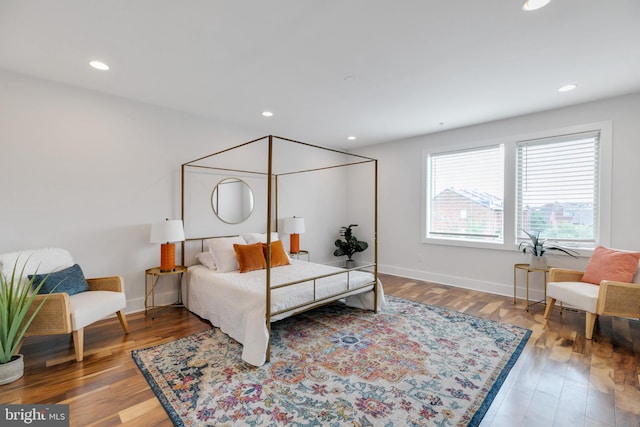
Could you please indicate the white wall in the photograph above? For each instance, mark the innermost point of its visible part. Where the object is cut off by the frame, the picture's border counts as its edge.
(320, 197)
(401, 251)
(90, 173)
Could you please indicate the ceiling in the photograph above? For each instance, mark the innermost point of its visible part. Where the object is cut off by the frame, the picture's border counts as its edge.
(377, 69)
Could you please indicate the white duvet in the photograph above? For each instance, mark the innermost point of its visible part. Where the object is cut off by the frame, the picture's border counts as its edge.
(235, 302)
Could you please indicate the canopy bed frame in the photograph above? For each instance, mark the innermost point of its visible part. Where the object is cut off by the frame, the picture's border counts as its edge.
(298, 158)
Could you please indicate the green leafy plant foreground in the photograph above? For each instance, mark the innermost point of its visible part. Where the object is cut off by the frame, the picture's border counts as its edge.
(16, 297)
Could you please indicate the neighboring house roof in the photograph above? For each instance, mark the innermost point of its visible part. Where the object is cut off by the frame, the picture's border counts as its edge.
(480, 197)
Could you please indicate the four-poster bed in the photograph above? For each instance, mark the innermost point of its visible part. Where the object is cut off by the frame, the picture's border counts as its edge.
(243, 304)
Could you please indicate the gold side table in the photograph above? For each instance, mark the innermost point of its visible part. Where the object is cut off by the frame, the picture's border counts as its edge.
(301, 252)
(152, 275)
(528, 269)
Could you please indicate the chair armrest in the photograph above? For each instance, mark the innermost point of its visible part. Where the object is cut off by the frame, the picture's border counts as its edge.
(619, 299)
(112, 283)
(53, 318)
(565, 275)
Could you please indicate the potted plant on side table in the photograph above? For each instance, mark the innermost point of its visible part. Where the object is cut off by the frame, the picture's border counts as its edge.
(537, 248)
(16, 298)
(349, 245)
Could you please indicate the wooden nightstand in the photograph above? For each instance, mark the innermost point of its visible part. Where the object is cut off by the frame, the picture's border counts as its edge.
(152, 275)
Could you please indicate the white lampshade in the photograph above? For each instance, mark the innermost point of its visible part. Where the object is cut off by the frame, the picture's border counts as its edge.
(167, 231)
(293, 225)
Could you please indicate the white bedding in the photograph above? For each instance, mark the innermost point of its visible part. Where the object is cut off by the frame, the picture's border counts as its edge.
(235, 302)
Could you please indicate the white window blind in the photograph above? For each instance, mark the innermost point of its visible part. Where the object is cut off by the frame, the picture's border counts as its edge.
(557, 187)
(465, 194)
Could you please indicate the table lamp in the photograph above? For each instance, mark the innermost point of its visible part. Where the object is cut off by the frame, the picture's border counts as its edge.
(294, 227)
(167, 232)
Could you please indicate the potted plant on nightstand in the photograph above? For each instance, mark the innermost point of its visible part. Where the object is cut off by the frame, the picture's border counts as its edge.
(16, 298)
(537, 248)
(349, 245)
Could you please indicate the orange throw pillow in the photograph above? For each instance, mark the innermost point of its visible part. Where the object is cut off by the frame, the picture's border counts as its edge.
(250, 257)
(608, 264)
(278, 255)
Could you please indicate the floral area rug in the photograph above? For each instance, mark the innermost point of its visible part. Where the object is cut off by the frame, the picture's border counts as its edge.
(409, 365)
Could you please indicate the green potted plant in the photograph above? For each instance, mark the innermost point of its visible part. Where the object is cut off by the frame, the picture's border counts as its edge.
(16, 298)
(537, 247)
(349, 245)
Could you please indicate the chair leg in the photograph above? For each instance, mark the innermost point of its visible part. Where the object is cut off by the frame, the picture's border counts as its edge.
(550, 304)
(123, 321)
(591, 322)
(78, 343)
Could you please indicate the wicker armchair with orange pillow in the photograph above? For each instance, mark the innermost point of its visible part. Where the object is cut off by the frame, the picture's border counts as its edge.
(609, 286)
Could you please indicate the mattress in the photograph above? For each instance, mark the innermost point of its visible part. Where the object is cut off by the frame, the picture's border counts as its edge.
(235, 302)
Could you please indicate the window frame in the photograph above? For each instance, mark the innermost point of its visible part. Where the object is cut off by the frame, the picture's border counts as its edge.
(547, 145)
(510, 240)
(428, 164)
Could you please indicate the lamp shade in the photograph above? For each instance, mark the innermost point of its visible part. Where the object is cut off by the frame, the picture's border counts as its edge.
(293, 225)
(167, 231)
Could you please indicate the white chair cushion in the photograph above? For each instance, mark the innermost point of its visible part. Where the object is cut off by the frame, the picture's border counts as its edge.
(581, 295)
(91, 306)
(43, 260)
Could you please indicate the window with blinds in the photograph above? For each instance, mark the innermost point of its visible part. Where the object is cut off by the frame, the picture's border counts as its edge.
(557, 188)
(466, 194)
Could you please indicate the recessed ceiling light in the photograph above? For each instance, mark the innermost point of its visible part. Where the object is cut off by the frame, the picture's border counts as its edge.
(267, 113)
(98, 65)
(530, 5)
(567, 88)
(351, 138)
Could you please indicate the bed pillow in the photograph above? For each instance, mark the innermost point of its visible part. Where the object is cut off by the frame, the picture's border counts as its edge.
(609, 264)
(250, 257)
(70, 280)
(223, 254)
(206, 259)
(262, 238)
(278, 254)
(259, 237)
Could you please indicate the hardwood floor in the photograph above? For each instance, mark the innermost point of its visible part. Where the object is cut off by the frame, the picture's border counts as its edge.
(561, 379)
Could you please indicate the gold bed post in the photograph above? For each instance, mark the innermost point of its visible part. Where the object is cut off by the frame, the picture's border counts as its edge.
(268, 285)
(182, 214)
(375, 238)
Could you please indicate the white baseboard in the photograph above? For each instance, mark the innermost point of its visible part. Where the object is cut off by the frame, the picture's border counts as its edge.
(462, 282)
(137, 304)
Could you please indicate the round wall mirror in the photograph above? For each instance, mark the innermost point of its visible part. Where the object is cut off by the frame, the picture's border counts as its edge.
(232, 200)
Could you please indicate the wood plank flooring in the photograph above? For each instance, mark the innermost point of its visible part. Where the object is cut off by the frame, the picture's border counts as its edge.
(561, 379)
